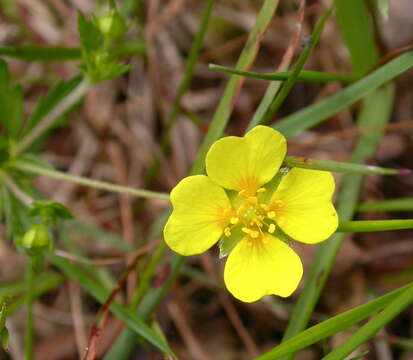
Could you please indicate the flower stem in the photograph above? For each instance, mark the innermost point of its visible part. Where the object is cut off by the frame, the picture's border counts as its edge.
(403, 204)
(89, 182)
(28, 336)
(45, 123)
(374, 225)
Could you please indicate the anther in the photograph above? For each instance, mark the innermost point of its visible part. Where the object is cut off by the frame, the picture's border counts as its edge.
(227, 232)
(271, 214)
(279, 203)
(271, 228)
(254, 234)
(242, 192)
(234, 220)
(253, 200)
(261, 190)
(246, 230)
(265, 207)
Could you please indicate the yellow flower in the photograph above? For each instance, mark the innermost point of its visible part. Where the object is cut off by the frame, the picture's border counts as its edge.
(244, 203)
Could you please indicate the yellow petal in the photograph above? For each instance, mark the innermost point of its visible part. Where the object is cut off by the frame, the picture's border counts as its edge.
(256, 268)
(197, 220)
(246, 163)
(305, 210)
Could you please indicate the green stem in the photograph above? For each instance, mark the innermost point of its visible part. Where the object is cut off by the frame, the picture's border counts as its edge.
(189, 70)
(302, 59)
(88, 182)
(28, 336)
(341, 167)
(374, 225)
(57, 111)
(303, 76)
(404, 204)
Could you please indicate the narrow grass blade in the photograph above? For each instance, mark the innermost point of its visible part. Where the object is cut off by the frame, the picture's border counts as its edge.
(332, 326)
(224, 109)
(41, 53)
(404, 204)
(367, 331)
(341, 167)
(303, 76)
(374, 225)
(100, 294)
(317, 113)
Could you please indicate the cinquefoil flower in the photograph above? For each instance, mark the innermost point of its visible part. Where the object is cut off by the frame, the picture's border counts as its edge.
(237, 203)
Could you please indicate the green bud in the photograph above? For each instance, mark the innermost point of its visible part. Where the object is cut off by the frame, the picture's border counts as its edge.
(37, 237)
(111, 24)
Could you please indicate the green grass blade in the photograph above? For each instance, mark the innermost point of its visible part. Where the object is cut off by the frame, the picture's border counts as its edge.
(100, 294)
(367, 331)
(224, 109)
(332, 326)
(404, 204)
(340, 167)
(302, 59)
(375, 111)
(374, 225)
(315, 114)
(41, 53)
(303, 76)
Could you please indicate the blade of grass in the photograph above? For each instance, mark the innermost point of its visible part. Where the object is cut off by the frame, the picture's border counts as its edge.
(376, 110)
(302, 59)
(41, 53)
(341, 167)
(332, 326)
(100, 294)
(303, 75)
(404, 204)
(374, 225)
(189, 69)
(367, 331)
(317, 113)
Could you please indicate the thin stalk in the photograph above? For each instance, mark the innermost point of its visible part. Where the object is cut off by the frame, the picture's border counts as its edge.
(341, 167)
(55, 113)
(302, 59)
(303, 76)
(88, 182)
(15, 189)
(404, 204)
(28, 336)
(368, 330)
(189, 70)
(374, 225)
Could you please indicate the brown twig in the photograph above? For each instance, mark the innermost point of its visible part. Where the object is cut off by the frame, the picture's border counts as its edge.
(104, 309)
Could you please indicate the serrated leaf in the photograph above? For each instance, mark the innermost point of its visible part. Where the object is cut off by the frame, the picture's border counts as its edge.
(90, 37)
(11, 103)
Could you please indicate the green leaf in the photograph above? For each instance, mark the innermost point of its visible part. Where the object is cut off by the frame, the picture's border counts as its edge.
(341, 167)
(100, 294)
(40, 53)
(4, 338)
(47, 103)
(91, 38)
(15, 215)
(11, 103)
(332, 326)
(315, 114)
(50, 211)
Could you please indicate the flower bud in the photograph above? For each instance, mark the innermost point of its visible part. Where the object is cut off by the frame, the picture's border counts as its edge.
(111, 24)
(37, 237)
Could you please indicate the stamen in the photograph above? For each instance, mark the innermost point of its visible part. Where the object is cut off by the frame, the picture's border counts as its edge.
(253, 200)
(254, 234)
(279, 203)
(271, 214)
(271, 228)
(261, 190)
(227, 232)
(242, 192)
(234, 220)
(246, 230)
(265, 207)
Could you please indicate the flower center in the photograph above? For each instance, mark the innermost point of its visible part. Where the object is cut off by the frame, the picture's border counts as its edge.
(254, 216)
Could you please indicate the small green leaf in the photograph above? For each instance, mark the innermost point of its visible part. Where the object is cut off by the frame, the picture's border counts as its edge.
(11, 103)
(50, 211)
(47, 103)
(91, 38)
(226, 244)
(4, 338)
